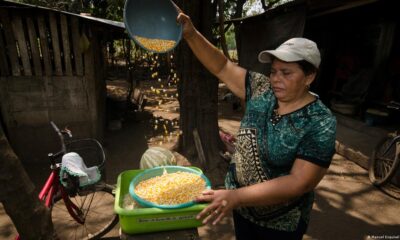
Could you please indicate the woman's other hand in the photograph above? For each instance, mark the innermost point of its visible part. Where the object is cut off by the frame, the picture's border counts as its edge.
(221, 203)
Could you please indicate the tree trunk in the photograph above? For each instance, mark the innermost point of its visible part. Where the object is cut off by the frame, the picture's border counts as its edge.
(238, 14)
(198, 95)
(20, 200)
(222, 28)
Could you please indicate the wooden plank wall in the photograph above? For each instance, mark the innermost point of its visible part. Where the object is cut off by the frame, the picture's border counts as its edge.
(43, 77)
(38, 44)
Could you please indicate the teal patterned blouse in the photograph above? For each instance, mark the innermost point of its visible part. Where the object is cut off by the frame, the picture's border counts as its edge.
(265, 150)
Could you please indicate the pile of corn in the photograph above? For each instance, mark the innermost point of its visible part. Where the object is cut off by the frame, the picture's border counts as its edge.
(158, 45)
(171, 188)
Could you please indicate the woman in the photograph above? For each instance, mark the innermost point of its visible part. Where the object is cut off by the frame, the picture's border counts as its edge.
(284, 146)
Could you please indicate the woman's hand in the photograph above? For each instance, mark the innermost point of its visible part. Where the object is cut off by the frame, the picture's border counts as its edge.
(188, 29)
(221, 203)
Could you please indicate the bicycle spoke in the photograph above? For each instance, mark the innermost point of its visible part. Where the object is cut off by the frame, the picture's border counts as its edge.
(97, 208)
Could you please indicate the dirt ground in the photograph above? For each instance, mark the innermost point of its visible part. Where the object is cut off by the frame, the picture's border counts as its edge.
(347, 207)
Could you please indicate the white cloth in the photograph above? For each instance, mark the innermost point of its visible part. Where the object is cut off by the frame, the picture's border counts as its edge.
(73, 164)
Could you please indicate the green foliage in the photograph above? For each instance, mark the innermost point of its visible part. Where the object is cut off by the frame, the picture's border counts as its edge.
(230, 38)
(111, 9)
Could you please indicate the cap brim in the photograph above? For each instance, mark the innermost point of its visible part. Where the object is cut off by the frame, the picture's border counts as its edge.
(265, 56)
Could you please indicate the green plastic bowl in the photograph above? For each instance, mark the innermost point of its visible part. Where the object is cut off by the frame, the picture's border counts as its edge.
(154, 19)
(158, 171)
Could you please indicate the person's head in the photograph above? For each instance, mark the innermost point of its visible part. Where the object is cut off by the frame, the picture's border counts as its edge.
(294, 66)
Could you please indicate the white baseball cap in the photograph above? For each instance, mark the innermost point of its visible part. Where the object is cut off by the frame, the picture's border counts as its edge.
(294, 49)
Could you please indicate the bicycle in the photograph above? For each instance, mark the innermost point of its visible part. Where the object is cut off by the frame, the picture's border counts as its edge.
(86, 212)
(385, 158)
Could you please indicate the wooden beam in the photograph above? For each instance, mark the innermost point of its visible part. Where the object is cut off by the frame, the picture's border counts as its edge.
(33, 40)
(66, 47)
(76, 46)
(343, 7)
(19, 34)
(4, 71)
(44, 46)
(56, 44)
(10, 43)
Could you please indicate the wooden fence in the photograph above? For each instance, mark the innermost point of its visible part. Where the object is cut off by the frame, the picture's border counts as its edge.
(51, 68)
(47, 44)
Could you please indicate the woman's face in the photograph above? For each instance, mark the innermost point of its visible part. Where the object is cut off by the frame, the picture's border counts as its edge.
(288, 81)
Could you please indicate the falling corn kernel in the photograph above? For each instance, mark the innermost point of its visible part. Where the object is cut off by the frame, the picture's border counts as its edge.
(158, 45)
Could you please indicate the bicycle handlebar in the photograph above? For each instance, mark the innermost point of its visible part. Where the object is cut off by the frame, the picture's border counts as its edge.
(61, 134)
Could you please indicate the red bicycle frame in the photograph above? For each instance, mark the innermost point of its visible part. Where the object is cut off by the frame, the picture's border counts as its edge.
(51, 187)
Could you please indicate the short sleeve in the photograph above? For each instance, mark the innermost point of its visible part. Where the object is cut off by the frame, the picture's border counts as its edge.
(318, 145)
(256, 84)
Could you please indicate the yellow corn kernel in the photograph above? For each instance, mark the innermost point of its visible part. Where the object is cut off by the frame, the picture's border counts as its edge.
(171, 188)
(158, 45)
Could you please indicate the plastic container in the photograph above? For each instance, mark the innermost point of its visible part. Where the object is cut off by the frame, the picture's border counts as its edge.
(152, 19)
(144, 220)
(158, 171)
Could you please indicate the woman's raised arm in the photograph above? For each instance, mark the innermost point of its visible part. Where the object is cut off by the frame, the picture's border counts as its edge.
(212, 58)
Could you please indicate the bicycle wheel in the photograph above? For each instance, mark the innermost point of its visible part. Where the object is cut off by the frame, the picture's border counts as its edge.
(97, 205)
(384, 161)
